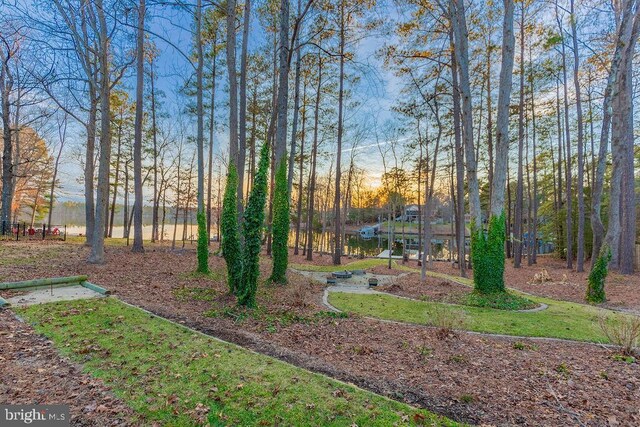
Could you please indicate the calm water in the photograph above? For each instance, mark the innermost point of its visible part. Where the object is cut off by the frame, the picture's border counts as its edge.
(354, 244)
(118, 231)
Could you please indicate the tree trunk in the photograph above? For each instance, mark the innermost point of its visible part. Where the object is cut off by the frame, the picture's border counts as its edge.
(296, 108)
(62, 132)
(202, 236)
(300, 171)
(212, 122)
(534, 228)
(154, 131)
(489, 125)
(243, 105)
(125, 213)
(89, 167)
(502, 119)
(558, 188)
(177, 208)
(115, 181)
(621, 232)
(461, 50)
(623, 35)
(580, 177)
(97, 245)
(459, 159)
(338, 244)
(137, 144)
(233, 83)
(568, 179)
(518, 220)
(314, 157)
(6, 85)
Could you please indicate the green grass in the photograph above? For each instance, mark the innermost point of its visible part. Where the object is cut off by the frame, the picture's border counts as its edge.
(498, 300)
(560, 320)
(362, 264)
(171, 375)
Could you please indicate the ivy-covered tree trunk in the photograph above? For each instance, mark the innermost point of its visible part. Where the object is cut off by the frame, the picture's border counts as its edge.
(597, 276)
(280, 225)
(487, 251)
(231, 250)
(487, 256)
(252, 232)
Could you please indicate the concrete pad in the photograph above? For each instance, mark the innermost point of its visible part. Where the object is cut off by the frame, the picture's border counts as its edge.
(45, 295)
(353, 282)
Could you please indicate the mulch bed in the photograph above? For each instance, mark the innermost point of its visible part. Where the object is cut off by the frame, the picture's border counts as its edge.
(431, 289)
(568, 285)
(34, 373)
(468, 377)
(384, 270)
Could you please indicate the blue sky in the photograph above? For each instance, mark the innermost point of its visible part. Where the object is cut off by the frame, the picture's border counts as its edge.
(376, 92)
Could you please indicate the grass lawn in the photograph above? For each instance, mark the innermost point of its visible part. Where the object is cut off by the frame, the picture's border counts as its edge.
(362, 264)
(560, 320)
(174, 376)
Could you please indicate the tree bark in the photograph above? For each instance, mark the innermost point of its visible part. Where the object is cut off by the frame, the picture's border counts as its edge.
(461, 50)
(518, 220)
(296, 108)
(155, 226)
(337, 255)
(459, 161)
(97, 245)
(137, 144)
(580, 177)
(314, 157)
(568, 159)
(233, 83)
(243, 104)
(300, 171)
(6, 85)
(212, 126)
(116, 180)
(502, 120)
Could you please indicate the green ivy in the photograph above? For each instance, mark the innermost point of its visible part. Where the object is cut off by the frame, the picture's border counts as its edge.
(252, 232)
(231, 250)
(597, 276)
(280, 225)
(203, 244)
(487, 256)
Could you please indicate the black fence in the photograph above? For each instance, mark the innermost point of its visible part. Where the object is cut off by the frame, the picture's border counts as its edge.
(23, 231)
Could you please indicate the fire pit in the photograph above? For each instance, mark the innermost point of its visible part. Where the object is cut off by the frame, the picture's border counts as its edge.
(342, 274)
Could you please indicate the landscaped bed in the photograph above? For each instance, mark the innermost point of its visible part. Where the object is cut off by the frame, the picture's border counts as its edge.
(172, 375)
(473, 378)
(440, 289)
(559, 320)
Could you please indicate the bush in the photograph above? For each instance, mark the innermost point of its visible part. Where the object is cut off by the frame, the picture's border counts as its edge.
(487, 256)
(231, 250)
(203, 244)
(621, 331)
(280, 225)
(446, 320)
(252, 232)
(597, 276)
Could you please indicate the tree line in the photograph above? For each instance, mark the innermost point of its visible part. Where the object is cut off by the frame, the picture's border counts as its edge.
(517, 115)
